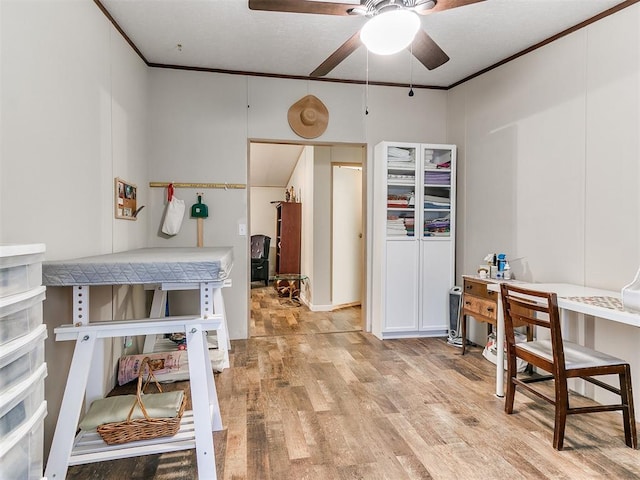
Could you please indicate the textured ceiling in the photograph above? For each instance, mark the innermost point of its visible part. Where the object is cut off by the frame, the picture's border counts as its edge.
(226, 35)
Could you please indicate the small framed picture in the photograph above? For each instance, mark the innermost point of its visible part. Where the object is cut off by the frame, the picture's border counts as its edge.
(125, 199)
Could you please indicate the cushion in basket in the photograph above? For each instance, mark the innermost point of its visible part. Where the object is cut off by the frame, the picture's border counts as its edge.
(116, 409)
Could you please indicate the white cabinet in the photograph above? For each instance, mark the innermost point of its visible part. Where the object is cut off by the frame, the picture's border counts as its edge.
(413, 238)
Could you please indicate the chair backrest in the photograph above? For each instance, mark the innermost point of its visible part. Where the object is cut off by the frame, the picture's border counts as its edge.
(260, 246)
(522, 306)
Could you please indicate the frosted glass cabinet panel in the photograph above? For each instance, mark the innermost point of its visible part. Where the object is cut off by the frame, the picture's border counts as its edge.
(437, 186)
(401, 191)
(414, 238)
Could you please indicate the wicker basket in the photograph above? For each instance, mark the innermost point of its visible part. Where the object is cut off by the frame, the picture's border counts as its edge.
(144, 428)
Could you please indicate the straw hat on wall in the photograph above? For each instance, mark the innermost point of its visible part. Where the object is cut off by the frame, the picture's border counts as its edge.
(308, 117)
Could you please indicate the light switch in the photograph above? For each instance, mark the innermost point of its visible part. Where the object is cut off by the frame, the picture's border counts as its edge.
(242, 229)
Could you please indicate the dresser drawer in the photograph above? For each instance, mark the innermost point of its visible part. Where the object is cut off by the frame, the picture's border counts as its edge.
(486, 309)
(478, 289)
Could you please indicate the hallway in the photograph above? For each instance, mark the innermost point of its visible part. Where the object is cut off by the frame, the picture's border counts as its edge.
(273, 315)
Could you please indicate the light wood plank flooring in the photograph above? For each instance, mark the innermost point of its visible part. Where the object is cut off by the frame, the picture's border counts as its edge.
(299, 404)
(273, 315)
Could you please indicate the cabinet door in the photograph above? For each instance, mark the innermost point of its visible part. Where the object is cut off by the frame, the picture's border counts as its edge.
(437, 280)
(437, 191)
(401, 183)
(401, 281)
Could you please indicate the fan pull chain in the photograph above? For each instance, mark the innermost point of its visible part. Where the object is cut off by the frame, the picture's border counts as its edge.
(411, 72)
(366, 88)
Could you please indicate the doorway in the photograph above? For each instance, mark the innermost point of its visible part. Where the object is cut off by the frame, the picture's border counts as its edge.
(323, 177)
(347, 227)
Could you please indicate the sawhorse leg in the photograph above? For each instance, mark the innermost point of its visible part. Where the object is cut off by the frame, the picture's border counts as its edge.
(204, 400)
(158, 308)
(70, 409)
(211, 302)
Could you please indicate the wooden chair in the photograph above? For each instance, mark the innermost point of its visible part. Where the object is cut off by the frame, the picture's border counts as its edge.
(562, 360)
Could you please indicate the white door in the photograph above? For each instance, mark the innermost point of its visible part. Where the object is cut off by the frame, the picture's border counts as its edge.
(346, 284)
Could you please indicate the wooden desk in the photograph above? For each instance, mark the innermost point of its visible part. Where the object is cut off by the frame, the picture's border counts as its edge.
(571, 298)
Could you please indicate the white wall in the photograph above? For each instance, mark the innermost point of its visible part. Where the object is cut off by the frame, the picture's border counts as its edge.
(549, 170)
(73, 108)
(199, 131)
(302, 182)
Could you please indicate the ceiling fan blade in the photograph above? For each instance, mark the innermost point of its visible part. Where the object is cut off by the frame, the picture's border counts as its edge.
(428, 51)
(447, 5)
(346, 49)
(302, 6)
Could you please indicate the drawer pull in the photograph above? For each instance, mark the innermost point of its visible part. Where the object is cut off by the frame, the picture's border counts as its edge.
(467, 303)
(489, 309)
(469, 287)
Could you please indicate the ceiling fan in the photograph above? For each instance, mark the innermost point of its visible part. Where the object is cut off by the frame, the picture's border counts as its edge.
(423, 47)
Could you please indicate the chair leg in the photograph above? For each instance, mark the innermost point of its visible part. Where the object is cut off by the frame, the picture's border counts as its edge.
(628, 415)
(561, 407)
(511, 386)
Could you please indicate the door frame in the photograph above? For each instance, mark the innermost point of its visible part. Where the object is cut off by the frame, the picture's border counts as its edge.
(366, 267)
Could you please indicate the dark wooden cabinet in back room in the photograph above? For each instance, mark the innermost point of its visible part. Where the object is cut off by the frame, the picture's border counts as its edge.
(288, 235)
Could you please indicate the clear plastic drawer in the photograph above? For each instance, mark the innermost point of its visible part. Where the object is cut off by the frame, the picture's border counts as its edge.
(21, 357)
(20, 268)
(20, 314)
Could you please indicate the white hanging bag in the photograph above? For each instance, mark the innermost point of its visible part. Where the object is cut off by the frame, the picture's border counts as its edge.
(174, 213)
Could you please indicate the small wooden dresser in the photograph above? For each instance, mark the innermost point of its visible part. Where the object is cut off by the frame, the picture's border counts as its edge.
(478, 302)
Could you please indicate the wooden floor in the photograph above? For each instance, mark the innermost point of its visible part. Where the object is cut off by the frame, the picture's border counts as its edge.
(273, 315)
(298, 404)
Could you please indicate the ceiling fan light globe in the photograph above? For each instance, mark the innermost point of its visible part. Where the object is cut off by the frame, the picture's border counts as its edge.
(390, 32)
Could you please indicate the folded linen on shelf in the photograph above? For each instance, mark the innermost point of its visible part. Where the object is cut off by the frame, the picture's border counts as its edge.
(436, 205)
(437, 177)
(404, 164)
(398, 153)
(437, 199)
(396, 226)
(401, 176)
(441, 161)
(440, 226)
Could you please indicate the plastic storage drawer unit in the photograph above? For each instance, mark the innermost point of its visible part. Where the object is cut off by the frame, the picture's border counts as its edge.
(20, 403)
(20, 268)
(21, 452)
(21, 357)
(20, 314)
